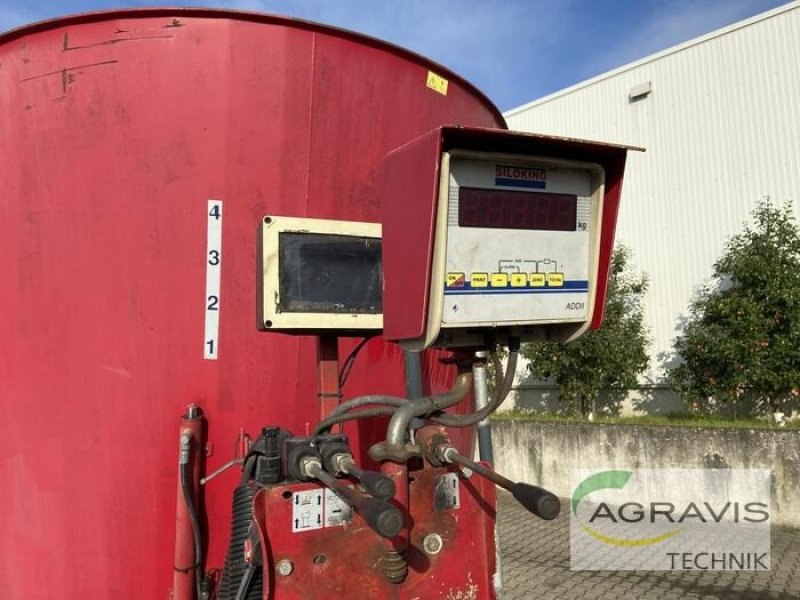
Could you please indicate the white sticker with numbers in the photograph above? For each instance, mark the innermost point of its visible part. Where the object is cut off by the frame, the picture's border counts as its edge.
(213, 271)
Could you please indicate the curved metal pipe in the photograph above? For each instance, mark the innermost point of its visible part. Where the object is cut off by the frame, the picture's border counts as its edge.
(501, 391)
(398, 425)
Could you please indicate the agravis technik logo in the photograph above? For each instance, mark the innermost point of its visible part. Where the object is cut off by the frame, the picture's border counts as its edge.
(666, 519)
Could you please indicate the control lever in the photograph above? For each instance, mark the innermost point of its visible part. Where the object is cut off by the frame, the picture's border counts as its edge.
(375, 484)
(336, 458)
(539, 501)
(381, 516)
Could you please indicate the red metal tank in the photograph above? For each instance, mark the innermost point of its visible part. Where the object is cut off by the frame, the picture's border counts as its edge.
(115, 131)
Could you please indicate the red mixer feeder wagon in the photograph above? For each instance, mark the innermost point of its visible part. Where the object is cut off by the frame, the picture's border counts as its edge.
(170, 173)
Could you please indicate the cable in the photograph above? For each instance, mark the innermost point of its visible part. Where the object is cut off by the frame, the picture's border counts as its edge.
(347, 366)
(244, 586)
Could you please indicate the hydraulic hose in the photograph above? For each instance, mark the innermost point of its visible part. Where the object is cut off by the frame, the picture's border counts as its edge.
(398, 425)
(500, 395)
(192, 511)
(378, 399)
(326, 424)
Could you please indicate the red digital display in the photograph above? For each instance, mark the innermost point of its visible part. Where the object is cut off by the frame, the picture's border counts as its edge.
(504, 209)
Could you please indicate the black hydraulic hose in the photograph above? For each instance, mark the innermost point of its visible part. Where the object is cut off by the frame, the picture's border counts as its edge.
(326, 424)
(388, 405)
(499, 396)
(379, 399)
(196, 533)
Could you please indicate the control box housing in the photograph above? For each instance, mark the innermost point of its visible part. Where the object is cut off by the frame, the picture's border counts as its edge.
(496, 235)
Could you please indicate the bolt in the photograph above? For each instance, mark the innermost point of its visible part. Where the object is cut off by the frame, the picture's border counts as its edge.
(285, 567)
(432, 543)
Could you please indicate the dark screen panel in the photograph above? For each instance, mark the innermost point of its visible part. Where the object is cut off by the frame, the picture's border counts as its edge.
(325, 273)
(506, 209)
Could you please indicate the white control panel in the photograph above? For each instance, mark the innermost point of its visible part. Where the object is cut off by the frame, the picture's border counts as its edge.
(516, 243)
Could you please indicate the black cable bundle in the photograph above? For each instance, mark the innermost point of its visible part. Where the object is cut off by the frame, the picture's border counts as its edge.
(235, 565)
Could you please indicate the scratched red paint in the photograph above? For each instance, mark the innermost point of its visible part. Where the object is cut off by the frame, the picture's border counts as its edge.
(115, 130)
(352, 552)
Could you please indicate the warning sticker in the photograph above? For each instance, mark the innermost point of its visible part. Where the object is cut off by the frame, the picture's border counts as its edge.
(437, 83)
(307, 510)
(336, 511)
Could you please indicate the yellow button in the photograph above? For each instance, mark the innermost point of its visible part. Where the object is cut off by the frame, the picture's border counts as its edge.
(537, 279)
(455, 280)
(479, 280)
(499, 279)
(555, 279)
(519, 280)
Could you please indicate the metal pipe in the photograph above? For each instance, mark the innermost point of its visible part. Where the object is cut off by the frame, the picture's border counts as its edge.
(413, 368)
(413, 371)
(451, 455)
(481, 391)
(500, 394)
(398, 425)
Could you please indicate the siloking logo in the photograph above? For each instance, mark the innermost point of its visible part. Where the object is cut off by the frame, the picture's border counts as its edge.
(670, 519)
(523, 177)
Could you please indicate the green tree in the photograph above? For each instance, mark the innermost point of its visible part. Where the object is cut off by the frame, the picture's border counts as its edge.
(742, 337)
(612, 356)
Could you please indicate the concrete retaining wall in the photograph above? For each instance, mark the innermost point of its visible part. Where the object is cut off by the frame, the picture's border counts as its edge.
(546, 454)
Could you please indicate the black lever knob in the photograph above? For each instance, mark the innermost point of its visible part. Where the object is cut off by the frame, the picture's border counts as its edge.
(377, 485)
(539, 501)
(382, 517)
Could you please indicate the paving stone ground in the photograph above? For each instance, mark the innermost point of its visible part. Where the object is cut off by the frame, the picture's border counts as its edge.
(535, 566)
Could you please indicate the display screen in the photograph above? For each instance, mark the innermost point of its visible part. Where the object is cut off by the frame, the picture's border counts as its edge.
(505, 209)
(324, 273)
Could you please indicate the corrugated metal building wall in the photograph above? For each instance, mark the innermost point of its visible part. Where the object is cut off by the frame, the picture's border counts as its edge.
(721, 126)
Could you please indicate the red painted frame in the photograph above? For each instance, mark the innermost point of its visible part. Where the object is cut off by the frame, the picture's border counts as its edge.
(410, 203)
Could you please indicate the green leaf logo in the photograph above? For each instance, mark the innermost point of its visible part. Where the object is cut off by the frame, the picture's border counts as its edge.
(599, 481)
(615, 480)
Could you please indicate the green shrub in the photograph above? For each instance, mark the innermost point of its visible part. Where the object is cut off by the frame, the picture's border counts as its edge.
(742, 337)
